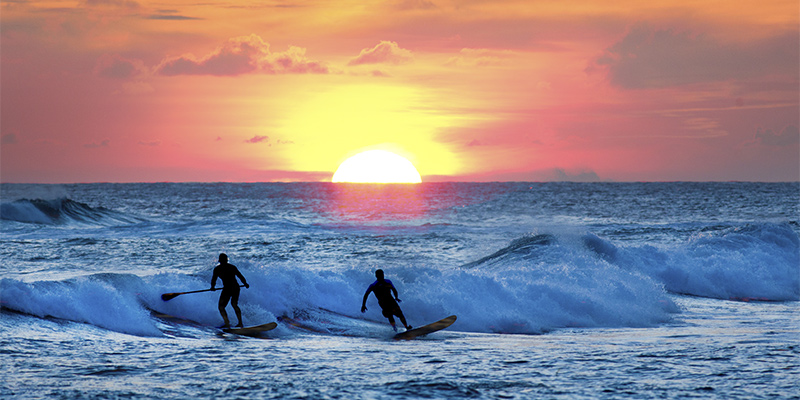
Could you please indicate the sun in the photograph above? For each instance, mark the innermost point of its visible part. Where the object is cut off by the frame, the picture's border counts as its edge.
(376, 166)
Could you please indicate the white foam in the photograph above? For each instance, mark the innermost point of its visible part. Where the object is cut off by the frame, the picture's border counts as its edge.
(86, 299)
(760, 262)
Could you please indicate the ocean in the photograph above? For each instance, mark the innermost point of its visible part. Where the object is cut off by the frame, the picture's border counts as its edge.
(562, 290)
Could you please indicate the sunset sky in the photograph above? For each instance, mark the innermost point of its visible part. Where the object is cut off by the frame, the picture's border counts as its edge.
(172, 90)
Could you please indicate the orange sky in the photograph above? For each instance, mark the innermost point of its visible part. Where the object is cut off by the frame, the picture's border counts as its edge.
(143, 91)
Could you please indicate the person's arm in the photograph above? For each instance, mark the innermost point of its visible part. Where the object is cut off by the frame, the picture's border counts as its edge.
(395, 293)
(364, 301)
(241, 278)
(214, 280)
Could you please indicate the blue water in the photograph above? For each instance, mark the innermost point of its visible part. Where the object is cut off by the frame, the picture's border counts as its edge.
(562, 290)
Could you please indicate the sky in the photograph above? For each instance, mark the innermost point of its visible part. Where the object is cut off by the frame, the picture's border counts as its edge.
(474, 90)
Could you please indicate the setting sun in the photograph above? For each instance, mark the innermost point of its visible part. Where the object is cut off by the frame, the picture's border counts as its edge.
(376, 166)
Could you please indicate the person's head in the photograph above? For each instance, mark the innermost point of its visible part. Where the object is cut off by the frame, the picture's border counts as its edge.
(379, 274)
(223, 258)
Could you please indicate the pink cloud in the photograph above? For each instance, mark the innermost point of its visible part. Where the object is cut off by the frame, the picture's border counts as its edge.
(481, 58)
(243, 55)
(257, 139)
(384, 52)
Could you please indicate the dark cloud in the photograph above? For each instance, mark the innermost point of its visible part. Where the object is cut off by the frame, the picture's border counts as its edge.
(384, 52)
(243, 55)
(9, 138)
(94, 145)
(413, 5)
(789, 136)
(114, 3)
(650, 58)
(172, 17)
(117, 67)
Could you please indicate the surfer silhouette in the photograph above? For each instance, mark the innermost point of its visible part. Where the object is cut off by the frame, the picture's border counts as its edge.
(383, 289)
(227, 273)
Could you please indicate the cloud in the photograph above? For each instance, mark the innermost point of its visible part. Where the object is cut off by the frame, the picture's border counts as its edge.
(94, 145)
(384, 52)
(649, 58)
(474, 142)
(117, 67)
(789, 136)
(257, 139)
(153, 143)
(413, 5)
(243, 55)
(481, 58)
(114, 3)
(172, 17)
(9, 138)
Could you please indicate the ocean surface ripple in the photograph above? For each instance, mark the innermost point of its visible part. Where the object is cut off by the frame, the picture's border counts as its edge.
(562, 290)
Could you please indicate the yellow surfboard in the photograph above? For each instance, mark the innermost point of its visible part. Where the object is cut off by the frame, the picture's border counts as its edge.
(252, 330)
(424, 330)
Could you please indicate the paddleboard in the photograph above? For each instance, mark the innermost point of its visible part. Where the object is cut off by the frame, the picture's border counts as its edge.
(424, 330)
(252, 330)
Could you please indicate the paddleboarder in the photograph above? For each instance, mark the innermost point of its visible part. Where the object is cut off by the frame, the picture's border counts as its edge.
(230, 288)
(383, 289)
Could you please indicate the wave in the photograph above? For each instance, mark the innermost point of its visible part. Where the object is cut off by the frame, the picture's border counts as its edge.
(751, 262)
(536, 284)
(95, 300)
(61, 211)
(518, 299)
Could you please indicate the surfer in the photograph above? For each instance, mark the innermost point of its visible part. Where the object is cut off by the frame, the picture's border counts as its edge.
(383, 289)
(230, 288)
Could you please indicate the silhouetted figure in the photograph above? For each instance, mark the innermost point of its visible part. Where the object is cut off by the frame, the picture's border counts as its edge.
(383, 290)
(230, 288)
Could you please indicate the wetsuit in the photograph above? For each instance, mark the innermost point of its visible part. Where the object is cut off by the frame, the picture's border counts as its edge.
(386, 293)
(228, 273)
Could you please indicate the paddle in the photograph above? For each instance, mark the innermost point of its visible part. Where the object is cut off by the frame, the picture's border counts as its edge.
(170, 296)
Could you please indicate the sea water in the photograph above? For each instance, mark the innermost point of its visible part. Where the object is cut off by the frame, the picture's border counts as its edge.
(562, 290)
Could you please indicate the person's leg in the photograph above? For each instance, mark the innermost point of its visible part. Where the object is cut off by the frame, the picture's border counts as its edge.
(402, 317)
(223, 302)
(235, 304)
(390, 317)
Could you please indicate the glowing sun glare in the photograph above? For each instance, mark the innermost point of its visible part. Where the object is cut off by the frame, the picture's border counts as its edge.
(376, 166)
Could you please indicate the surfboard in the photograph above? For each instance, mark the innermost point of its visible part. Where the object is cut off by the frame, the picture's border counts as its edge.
(299, 324)
(424, 330)
(252, 330)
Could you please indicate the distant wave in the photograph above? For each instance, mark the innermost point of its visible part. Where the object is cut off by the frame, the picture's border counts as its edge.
(61, 211)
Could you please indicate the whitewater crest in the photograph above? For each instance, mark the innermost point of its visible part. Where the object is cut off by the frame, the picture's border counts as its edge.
(749, 262)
